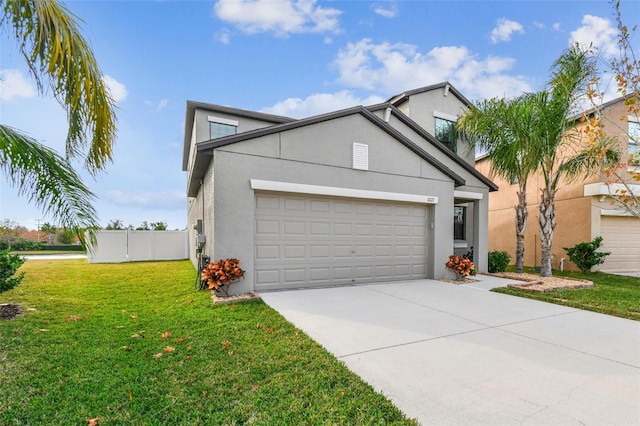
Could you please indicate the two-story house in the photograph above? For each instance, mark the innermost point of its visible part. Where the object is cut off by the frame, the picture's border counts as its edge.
(364, 194)
(584, 209)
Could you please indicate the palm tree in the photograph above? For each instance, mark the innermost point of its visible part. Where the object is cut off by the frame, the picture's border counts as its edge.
(49, 38)
(556, 135)
(502, 128)
(537, 132)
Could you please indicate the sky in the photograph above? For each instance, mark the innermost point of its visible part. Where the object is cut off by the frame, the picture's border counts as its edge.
(296, 58)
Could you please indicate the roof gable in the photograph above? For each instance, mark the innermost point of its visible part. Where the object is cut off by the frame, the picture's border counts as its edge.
(206, 149)
(448, 87)
(433, 141)
(192, 106)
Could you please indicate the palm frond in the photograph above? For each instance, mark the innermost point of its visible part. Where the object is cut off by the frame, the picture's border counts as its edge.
(49, 182)
(49, 37)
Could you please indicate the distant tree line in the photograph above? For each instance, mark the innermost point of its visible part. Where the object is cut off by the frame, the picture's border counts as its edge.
(117, 224)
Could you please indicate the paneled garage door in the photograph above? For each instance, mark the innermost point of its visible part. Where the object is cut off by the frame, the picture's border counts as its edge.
(621, 237)
(305, 241)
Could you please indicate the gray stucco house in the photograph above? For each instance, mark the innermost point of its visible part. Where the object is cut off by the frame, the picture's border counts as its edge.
(365, 194)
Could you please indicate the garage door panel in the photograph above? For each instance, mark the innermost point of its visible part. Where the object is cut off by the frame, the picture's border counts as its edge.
(294, 252)
(320, 229)
(342, 208)
(314, 241)
(621, 237)
(320, 251)
(267, 227)
(267, 252)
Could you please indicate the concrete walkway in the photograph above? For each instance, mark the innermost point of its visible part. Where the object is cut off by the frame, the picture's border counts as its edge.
(54, 256)
(460, 355)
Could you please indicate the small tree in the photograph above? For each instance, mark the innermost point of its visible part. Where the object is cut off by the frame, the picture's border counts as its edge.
(586, 255)
(159, 226)
(114, 225)
(144, 226)
(9, 264)
(10, 232)
(50, 230)
(65, 236)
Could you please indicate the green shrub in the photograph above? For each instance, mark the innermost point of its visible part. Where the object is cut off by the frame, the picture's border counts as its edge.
(25, 245)
(9, 264)
(586, 255)
(498, 261)
(64, 247)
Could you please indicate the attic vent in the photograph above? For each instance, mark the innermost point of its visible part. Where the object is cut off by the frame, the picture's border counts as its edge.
(360, 156)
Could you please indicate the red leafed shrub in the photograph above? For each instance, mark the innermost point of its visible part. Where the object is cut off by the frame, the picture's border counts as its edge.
(462, 266)
(221, 274)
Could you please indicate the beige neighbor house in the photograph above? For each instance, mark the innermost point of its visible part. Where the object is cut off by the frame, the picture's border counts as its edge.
(583, 209)
(364, 194)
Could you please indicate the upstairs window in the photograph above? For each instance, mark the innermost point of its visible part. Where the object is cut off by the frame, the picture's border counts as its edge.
(446, 132)
(634, 143)
(221, 127)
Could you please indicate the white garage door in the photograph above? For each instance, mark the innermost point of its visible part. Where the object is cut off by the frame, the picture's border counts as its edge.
(320, 241)
(621, 237)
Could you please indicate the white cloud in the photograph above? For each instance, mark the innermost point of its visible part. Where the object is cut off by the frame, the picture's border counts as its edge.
(164, 200)
(393, 68)
(538, 25)
(117, 90)
(162, 104)
(556, 26)
(598, 32)
(505, 29)
(319, 103)
(387, 12)
(15, 85)
(223, 36)
(283, 17)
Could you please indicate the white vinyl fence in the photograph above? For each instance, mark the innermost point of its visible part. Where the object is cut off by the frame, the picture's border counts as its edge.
(132, 246)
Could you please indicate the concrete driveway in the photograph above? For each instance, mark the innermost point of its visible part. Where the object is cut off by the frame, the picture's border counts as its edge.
(461, 355)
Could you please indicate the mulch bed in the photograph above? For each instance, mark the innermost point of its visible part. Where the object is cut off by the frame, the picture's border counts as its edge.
(232, 299)
(462, 281)
(9, 311)
(540, 284)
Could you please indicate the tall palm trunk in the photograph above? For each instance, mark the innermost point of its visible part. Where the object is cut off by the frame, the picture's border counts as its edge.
(547, 223)
(521, 226)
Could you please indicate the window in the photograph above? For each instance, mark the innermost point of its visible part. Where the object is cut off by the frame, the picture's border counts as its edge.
(459, 216)
(220, 127)
(219, 130)
(634, 143)
(446, 132)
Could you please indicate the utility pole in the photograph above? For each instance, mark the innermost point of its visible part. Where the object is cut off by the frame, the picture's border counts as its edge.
(38, 233)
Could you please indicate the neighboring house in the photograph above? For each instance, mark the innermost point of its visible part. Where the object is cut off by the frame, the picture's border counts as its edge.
(365, 194)
(583, 209)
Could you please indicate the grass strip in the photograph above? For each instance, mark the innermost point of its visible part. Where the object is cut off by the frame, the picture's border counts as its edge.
(612, 294)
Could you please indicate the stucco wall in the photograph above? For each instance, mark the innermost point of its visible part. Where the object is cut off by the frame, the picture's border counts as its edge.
(421, 110)
(573, 218)
(201, 208)
(321, 155)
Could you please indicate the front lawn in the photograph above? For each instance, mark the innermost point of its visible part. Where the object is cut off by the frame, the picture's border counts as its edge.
(612, 294)
(135, 344)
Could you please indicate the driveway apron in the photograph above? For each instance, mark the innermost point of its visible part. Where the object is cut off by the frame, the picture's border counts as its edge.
(461, 355)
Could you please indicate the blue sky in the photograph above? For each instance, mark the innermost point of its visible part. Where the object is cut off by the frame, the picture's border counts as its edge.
(289, 57)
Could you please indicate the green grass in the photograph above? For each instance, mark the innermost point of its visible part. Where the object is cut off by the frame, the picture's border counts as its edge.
(612, 294)
(73, 355)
